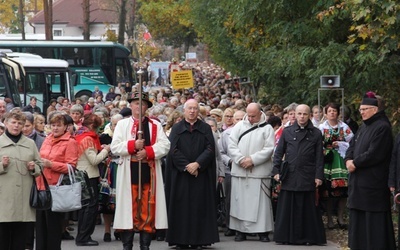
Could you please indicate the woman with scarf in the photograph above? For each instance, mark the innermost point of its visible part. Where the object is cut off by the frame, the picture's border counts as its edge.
(90, 153)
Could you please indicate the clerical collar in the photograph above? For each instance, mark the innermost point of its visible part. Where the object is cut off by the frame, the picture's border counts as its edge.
(191, 123)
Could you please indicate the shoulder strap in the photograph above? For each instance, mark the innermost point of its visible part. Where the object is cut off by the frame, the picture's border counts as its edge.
(251, 129)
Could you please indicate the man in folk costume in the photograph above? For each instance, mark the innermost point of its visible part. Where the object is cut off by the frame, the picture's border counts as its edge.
(250, 147)
(133, 213)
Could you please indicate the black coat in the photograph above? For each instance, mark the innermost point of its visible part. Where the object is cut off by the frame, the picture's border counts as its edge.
(394, 170)
(191, 201)
(370, 149)
(302, 149)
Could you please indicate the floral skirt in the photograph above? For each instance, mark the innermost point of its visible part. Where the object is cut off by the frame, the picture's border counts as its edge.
(335, 184)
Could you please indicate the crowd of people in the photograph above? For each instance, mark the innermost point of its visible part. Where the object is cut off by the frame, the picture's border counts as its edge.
(162, 152)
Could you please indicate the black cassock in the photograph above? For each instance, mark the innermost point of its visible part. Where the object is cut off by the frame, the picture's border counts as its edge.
(191, 201)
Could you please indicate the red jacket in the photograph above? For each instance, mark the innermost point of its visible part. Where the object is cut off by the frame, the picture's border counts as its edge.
(60, 151)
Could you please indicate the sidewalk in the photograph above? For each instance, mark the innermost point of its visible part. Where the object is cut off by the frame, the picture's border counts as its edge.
(226, 243)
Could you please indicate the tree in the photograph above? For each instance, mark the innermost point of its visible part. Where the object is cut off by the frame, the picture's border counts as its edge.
(168, 22)
(48, 19)
(12, 14)
(86, 20)
(286, 45)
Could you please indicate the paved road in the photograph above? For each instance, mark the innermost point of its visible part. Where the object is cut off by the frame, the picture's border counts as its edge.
(226, 243)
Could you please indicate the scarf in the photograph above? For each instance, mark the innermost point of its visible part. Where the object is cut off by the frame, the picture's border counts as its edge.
(88, 139)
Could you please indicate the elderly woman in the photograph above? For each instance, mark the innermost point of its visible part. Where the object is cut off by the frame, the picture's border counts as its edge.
(29, 130)
(336, 135)
(91, 153)
(57, 152)
(19, 161)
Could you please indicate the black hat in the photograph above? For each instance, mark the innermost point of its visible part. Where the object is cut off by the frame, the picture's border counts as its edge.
(125, 112)
(145, 97)
(369, 99)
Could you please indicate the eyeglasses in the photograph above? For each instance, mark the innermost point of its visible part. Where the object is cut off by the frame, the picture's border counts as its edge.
(365, 109)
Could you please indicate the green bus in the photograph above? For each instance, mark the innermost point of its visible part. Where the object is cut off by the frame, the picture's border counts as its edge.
(102, 64)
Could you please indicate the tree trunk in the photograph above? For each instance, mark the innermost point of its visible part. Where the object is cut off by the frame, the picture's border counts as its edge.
(122, 22)
(48, 19)
(86, 20)
(131, 30)
(22, 18)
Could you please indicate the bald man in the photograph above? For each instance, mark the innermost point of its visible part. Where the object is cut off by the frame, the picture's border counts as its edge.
(190, 182)
(298, 219)
(250, 147)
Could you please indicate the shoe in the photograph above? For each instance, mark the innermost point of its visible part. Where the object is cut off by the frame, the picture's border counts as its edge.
(240, 237)
(182, 247)
(160, 238)
(66, 236)
(342, 225)
(107, 237)
(88, 243)
(197, 247)
(230, 232)
(117, 235)
(264, 237)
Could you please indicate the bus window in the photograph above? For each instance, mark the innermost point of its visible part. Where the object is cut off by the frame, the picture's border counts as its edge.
(122, 66)
(77, 56)
(106, 60)
(44, 52)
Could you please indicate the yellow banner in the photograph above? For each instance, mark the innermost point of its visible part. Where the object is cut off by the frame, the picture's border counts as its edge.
(182, 79)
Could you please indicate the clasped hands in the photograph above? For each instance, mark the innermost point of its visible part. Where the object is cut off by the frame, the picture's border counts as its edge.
(141, 153)
(246, 163)
(193, 168)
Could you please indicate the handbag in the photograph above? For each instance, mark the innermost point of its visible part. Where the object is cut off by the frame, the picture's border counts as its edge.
(87, 195)
(221, 208)
(66, 198)
(40, 199)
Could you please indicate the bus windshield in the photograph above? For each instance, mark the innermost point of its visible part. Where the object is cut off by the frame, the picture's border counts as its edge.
(101, 64)
(45, 79)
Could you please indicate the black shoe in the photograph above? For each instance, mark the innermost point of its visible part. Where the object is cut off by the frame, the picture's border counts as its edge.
(182, 247)
(66, 236)
(88, 243)
(240, 237)
(117, 235)
(230, 232)
(107, 237)
(264, 238)
(197, 247)
(160, 238)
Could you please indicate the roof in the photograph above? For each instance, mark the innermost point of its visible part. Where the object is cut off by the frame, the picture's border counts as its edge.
(41, 62)
(70, 12)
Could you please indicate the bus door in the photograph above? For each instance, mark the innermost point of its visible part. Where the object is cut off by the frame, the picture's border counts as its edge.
(35, 84)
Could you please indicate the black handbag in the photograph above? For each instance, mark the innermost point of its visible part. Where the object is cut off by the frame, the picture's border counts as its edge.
(40, 199)
(284, 170)
(221, 208)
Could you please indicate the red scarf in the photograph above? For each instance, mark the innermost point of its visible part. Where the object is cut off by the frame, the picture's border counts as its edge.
(87, 143)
